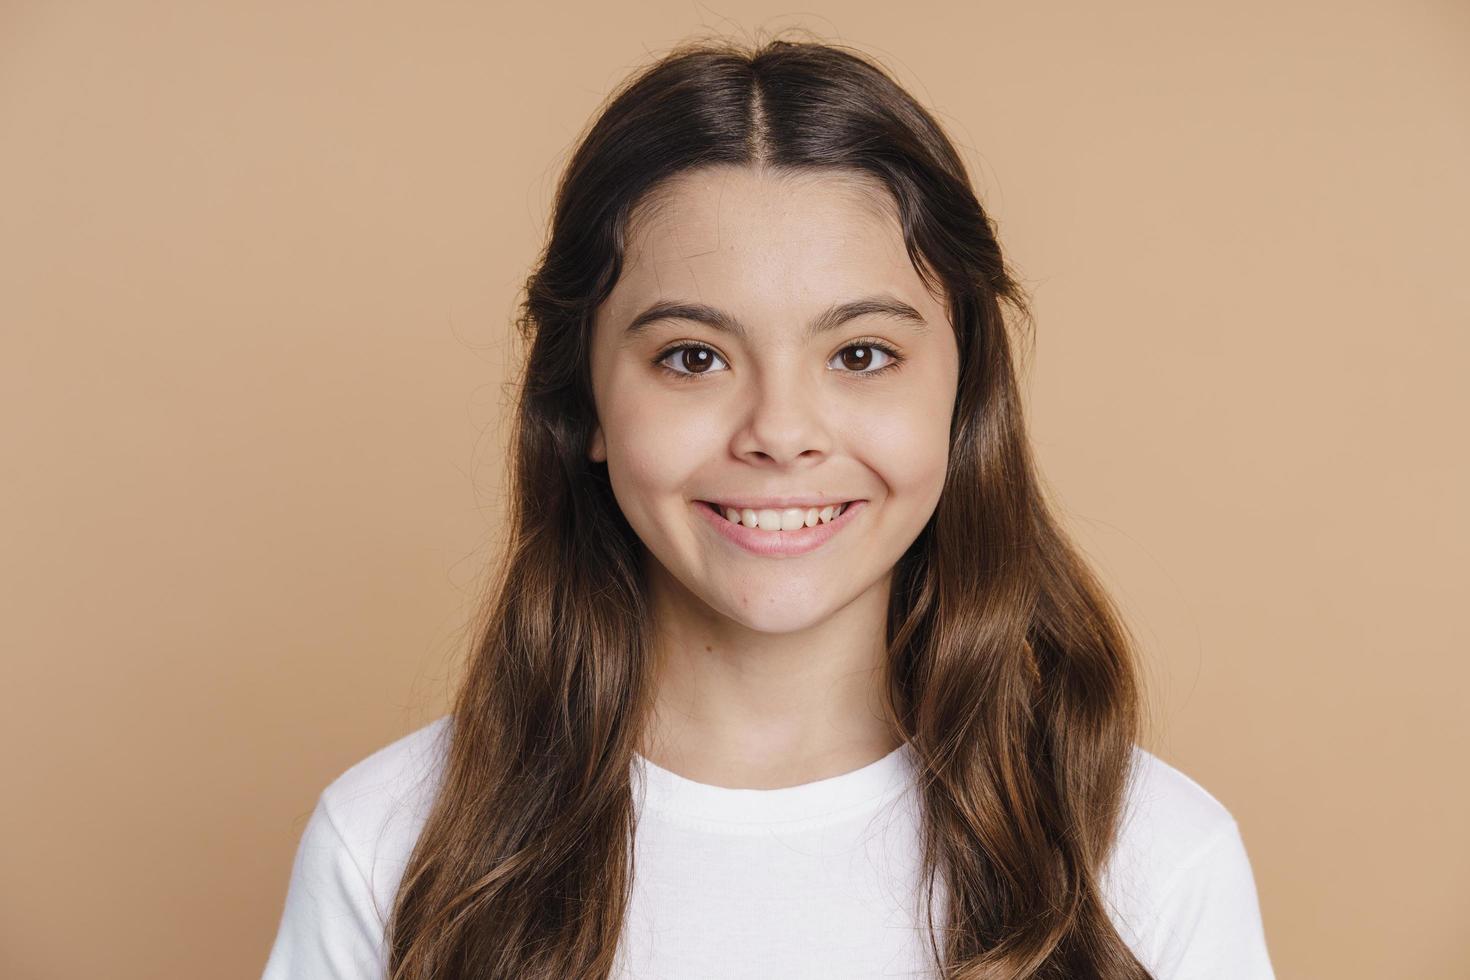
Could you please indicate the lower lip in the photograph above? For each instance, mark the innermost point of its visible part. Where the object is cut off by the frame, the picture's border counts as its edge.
(780, 544)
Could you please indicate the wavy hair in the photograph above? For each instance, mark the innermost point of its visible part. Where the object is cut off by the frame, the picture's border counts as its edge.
(1009, 671)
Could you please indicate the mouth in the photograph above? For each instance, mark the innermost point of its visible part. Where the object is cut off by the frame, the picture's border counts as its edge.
(782, 533)
(772, 519)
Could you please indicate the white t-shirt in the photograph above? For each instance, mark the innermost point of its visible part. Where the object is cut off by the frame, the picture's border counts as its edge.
(811, 881)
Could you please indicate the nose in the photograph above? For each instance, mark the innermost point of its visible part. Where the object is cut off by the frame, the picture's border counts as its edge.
(785, 422)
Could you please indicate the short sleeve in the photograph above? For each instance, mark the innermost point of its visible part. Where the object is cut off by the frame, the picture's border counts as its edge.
(1209, 920)
(330, 928)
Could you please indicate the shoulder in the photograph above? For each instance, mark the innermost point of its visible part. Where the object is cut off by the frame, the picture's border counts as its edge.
(1179, 883)
(351, 858)
(1169, 821)
(403, 769)
(379, 805)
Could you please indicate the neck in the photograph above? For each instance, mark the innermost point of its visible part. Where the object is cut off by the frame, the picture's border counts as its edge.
(740, 708)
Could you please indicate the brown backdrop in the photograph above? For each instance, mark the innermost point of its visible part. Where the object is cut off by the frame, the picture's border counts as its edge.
(257, 267)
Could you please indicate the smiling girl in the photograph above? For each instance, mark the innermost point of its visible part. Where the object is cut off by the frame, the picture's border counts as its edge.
(790, 671)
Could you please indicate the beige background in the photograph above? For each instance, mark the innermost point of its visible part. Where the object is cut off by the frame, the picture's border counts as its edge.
(257, 268)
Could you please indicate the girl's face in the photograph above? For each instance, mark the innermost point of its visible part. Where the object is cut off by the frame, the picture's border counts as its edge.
(763, 386)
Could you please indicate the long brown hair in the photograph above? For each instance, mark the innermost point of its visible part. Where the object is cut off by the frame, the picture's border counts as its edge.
(1009, 671)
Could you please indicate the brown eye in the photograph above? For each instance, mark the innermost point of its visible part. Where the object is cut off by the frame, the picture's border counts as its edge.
(696, 359)
(689, 359)
(858, 358)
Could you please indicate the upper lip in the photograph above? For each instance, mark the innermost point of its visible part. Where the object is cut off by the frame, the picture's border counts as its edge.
(781, 503)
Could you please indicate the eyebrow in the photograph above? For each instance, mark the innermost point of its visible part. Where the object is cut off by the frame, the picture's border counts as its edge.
(829, 319)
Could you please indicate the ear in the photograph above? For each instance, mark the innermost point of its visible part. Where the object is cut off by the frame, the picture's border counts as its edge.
(597, 451)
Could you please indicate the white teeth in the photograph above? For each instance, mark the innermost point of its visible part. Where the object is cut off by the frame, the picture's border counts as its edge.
(789, 519)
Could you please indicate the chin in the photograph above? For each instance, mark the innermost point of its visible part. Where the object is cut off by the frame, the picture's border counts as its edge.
(773, 610)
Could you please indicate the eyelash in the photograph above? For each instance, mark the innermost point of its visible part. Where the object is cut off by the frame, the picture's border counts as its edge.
(895, 358)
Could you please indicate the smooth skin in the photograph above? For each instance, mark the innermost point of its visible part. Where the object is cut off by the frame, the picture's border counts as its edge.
(769, 670)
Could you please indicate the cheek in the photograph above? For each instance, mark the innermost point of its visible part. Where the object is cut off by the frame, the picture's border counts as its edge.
(655, 449)
(906, 441)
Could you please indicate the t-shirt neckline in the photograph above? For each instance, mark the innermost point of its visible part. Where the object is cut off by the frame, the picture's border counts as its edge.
(819, 801)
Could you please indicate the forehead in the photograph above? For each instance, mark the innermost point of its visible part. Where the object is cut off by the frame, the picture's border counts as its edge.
(762, 243)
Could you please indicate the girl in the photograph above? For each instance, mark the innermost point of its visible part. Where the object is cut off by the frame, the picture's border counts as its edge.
(785, 623)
